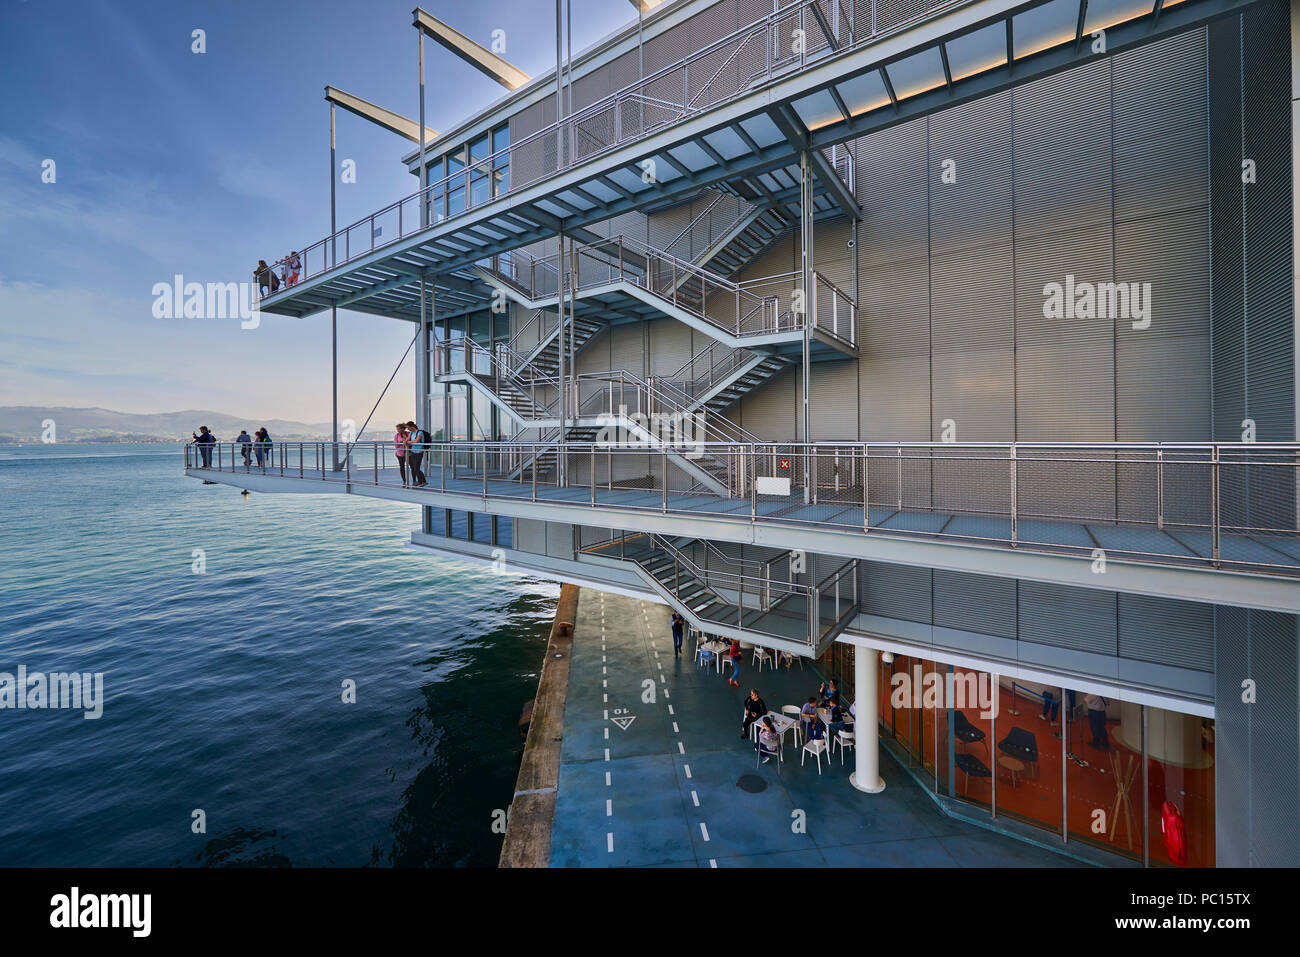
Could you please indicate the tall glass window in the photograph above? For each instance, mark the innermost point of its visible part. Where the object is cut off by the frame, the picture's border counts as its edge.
(456, 185)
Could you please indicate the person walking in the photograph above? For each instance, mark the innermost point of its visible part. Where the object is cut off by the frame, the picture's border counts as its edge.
(755, 708)
(245, 442)
(204, 439)
(419, 444)
(292, 266)
(679, 626)
(735, 655)
(401, 443)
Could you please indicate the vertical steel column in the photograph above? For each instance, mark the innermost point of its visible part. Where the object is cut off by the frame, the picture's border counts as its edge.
(866, 752)
(334, 312)
(560, 462)
(1146, 807)
(809, 300)
(1065, 816)
(1214, 506)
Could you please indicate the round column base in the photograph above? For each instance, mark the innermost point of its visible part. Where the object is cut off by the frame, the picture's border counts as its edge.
(880, 784)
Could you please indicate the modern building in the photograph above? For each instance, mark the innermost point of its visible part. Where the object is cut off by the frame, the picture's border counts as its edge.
(950, 343)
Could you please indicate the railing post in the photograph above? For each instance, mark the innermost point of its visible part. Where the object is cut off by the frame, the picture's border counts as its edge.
(753, 482)
(900, 477)
(1215, 521)
(347, 469)
(592, 477)
(1160, 487)
(232, 460)
(375, 465)
(663, 454)
(866, 488)
(485, 478)
(536, 453)
(1014, 510)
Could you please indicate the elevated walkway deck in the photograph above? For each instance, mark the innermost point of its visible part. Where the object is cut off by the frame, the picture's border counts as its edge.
(1252, 569)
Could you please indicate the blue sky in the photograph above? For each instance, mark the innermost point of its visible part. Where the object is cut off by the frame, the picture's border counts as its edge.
(173, 162)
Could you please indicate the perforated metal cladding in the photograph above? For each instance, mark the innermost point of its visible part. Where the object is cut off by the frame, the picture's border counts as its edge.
(896, 591)
(975, 603)
(1079, 618)
(1167, 632)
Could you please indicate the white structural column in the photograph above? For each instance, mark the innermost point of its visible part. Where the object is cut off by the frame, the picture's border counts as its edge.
(866, 728)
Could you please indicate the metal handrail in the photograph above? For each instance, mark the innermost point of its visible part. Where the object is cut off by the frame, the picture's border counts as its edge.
(1199, 489)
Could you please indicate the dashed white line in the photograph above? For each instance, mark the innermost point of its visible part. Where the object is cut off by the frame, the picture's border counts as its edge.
(607, 734)
(687, 768)
(609, 807)
(675, 731)
(712, 862)
(681, 748)
(607, 754)
(609, 842)
(607, 781)
(696, 798)
(705, 831)
(670, 710)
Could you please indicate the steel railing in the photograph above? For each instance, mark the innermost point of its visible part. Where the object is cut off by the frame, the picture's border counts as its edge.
(751, 58)
(1227, 505)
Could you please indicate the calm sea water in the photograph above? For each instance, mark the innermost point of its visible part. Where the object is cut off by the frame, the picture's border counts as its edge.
(223, 690)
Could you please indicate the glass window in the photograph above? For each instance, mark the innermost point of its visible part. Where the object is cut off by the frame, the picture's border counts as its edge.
(456, 201)
(481, 148)
(500, 140)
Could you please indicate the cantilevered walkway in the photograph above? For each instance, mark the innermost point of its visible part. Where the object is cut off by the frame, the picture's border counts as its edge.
(1180, 529)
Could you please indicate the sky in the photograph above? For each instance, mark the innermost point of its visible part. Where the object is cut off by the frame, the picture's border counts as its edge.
(167, 161)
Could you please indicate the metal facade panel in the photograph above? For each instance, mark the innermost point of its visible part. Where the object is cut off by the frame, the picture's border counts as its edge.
(1162, 372)
(896, 591)
(1082, 619)
(1166, 631)
(1065, 371)
(970, 175)
(670, 346)
(773, 410)
(976, 603)
(1062, 150)
(627, 346)
(834, 400)
(972, 344)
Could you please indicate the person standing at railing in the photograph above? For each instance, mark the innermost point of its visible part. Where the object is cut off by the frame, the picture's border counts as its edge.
(204, 439)
(401, 445)
(245, 443)
(262, 447)
(262, 276)
(420, 441)
(293, 265)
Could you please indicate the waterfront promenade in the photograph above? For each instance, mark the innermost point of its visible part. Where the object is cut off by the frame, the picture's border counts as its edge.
(653, 771)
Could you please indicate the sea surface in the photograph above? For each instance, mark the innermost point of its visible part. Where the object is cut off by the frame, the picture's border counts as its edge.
(223, 689)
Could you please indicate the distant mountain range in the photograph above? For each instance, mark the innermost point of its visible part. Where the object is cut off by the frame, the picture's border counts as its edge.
(25, 423)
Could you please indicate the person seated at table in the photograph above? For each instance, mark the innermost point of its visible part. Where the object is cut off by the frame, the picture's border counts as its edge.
(735, 663)
(768, 739)
(755, 708)
(829, 693)
(853, 717)
(837, 720)
(808, 712)
(816, 730)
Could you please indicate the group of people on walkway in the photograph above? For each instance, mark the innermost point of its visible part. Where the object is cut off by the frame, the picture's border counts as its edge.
(269, 281)
(814, 728)
(258, 445)
(410, 444)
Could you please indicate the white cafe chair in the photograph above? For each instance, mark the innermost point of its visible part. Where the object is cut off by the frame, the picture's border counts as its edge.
(845, 740)
(816, 748)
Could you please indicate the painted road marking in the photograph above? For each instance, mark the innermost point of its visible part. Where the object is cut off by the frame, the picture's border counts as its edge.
(675, 731)
(688, 769)
(607, 734)
(607, 780)
(712, 862)
(670, 710)
(609, 807)
(705, 831)
(607, 754)
(609, 842)
(696, 798)
(681, 748)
